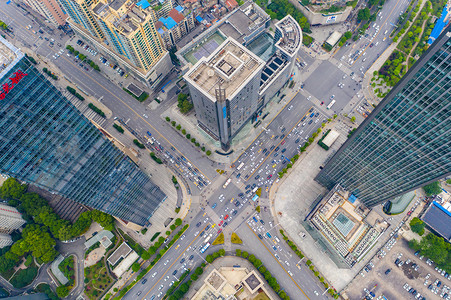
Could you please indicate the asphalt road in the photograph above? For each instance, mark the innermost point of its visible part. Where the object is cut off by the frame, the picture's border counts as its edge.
(260, 167)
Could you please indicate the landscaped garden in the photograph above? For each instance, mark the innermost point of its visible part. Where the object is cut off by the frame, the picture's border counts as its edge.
(97, 280)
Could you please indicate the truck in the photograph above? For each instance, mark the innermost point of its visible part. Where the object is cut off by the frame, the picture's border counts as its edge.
(226, 183)
(240, 166)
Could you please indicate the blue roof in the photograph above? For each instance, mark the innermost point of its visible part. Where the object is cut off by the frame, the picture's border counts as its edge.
(160, 31)
(439, 219)
(143, 4)
(179, 8)
(199, 19)
(352, 198)
(168, 22)
(438, 28)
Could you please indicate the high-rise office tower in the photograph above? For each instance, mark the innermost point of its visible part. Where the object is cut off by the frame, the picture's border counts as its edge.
(125, 32)
(10, 219)
(405, 143)
(47, 142)
(49, 9)
(224, 88)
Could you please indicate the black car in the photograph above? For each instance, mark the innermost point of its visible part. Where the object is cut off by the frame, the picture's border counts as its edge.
(275, 154)
(311, 121)
(225, 224)
(282, 136)
(388, 271)
(311, 109)
(248, 191)
(198, 224)
(238, 175)
(260, 236)
(237, 203)
(261, 221)
(284, 149)
(240, 194)
(254, 185)
(208, 227)
(191, 257)
(272, 147)
(182, 260)
(175, 272)
(234, 212)
(202, 233)
(283, 129)
(144, 281)
(303, 118)
(248, 186)
(276, 137)
(264, 150)
(297, 141)
(277, 149)
(257, 177)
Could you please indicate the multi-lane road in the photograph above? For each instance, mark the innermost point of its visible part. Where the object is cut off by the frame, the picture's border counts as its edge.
(232, 207)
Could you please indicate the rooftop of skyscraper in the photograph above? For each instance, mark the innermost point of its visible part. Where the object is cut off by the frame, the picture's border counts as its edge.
(292, 35)
(123, 14)
(230, 66)
(8, 53)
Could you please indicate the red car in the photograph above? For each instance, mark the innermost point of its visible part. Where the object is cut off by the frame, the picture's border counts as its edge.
(226, 216)
(283, 142)
(219, 231)
(220, 223)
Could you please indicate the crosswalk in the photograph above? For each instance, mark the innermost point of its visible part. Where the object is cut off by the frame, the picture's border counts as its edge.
(82, 106)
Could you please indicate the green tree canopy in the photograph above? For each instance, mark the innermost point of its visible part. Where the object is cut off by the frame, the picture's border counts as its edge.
(363, 14)
(417, 226)
(12, 189)
(432, 189)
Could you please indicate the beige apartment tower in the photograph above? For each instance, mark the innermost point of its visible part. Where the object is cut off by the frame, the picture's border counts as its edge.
(49, 9)
(125, 32)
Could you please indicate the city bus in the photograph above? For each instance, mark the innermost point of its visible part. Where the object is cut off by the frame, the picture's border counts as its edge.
(331, 104)
(204, 248)
(226, 183)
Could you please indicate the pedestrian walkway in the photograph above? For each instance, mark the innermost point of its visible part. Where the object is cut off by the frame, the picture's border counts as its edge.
(57, 272)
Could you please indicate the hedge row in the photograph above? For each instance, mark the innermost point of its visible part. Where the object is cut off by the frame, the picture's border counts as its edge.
(188, 136)
(97, 110)
(74, 92)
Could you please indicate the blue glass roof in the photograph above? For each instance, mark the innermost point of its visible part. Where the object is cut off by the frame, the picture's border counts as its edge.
(168, 22)
(143, 4)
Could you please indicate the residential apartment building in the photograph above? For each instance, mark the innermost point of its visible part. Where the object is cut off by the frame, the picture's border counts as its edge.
(125, 32)
(10, 219)
(49, 9)
(50, 144)
(81, 16)
(405, 142)
(178, 23)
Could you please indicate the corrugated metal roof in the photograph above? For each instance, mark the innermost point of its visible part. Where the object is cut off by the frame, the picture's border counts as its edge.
(439, 219)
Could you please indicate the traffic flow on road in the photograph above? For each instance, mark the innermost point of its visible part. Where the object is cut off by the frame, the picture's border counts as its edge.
(227, 202)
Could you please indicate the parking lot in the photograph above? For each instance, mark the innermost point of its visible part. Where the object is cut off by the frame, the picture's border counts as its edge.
(413, 277)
